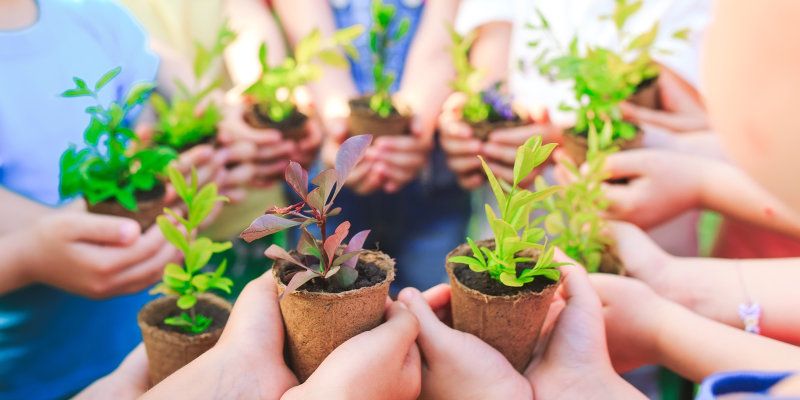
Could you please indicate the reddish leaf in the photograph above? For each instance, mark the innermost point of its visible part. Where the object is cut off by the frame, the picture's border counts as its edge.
(350, 152)
(297, 178)
(276, 252)
(325, 181)
(356, 244)
(298, 280)
(315, 200)
(333, 241)
(266, 225)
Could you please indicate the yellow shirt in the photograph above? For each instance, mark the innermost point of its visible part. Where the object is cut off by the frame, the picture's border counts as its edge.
(177, 25)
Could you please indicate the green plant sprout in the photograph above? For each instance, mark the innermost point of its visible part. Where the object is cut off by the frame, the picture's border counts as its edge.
(514, 230)
(381, 39)
(574, 215)
(481, 105)
(109, 167)
(181, 123)
(274, 91)
(603, 78)
(189, 280)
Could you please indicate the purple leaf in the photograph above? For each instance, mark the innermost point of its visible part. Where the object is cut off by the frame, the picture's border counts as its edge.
(266, 225)
(356, 244)
(276, 252)
(315, 200)
(325, 181)
(345, 257)
(332, 272)
(297, 178)
(350, 152)
(333, 241)
(306, 243)
(298, 280)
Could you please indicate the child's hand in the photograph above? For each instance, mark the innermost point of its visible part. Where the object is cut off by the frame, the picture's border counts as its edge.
(682, 109)
(458, 365)
(459, 144)
(643, 258)
(247, 361)
(128, 381)
(501, 149)
(661, 185)
(96, 256)
(575, 362)
(399, 159)
(383, 363)
(632, 319)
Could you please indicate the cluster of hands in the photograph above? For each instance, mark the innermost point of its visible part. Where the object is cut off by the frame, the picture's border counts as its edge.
(589, 333)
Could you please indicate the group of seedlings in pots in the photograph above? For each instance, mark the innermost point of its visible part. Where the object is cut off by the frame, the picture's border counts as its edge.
(331, 288)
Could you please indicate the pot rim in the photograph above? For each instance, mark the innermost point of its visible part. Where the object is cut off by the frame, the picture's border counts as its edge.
(178, 337)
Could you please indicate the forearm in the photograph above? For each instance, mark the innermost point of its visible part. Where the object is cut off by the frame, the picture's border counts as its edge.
(254, 24)
(490, 51)
(726, 189)
(428, 69)
(696, 347)
(715, 288)
(18, 211)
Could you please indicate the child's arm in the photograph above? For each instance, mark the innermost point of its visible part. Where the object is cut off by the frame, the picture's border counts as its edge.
(662, 184)
(18, 212)
(715, 288)
(643, 328)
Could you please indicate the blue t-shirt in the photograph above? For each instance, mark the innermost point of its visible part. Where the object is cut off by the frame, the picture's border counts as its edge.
(352, 12)
(52, 343)
(755, 384)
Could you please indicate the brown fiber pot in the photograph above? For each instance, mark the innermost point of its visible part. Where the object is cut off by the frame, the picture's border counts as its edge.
(168, 351)
(647, 95)
(576, 146)
(318, 322)
(292, 128)
(151, 205)
(511, 324)
(364, 121)
(481, 130)
(610, 263)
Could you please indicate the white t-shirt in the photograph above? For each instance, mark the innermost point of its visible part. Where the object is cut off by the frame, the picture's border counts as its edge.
(570, 17)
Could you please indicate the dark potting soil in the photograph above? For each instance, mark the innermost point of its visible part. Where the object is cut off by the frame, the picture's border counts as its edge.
(646, 83)
(295, 120)
(361, 106)
(218, 315)
(369, 274)
(155, 193)
(482, 282)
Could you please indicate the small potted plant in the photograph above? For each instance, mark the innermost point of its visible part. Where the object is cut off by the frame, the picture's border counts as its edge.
(574, 218)
(188, 119)
(113, 175)
(603, 78)
(502, 288)
(377, 114)
(273, 95)
(182, 325)
(484, 110)
(329, 291)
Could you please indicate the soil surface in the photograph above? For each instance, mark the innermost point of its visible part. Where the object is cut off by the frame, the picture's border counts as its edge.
(369, 274)
(154, 194)
(482, 282)
(218, 315)
(361, 106)
(295, 120)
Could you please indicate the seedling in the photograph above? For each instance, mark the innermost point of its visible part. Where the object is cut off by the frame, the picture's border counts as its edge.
(274, 91)
(188, 281)
(181, 121)
(325, 257)
(574, 220)
(481, 105)
(109, 167)
(603, 78)
(514, 230)
(382, 36)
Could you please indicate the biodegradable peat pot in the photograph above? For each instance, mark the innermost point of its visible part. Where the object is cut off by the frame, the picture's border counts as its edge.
(317, 322)
(610, 263)
(292, 128)
(647, 95)
(169, 348)
(576, 145)
(150, 204)
(509, 322)
(364, 121)
(481, 130)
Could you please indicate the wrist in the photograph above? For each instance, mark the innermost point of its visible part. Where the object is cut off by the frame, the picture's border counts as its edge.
(23, 262)
(572, 384)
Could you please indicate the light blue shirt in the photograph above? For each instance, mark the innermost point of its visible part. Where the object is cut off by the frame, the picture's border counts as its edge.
(52, 344)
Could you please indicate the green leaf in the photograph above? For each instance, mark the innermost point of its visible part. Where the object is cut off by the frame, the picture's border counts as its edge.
(499, 194)
(172, 234)
(175, 271)
(471, 262)
(107, 77)
(187, 301)
(510, 280)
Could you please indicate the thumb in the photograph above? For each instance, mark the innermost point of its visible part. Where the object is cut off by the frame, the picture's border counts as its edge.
(625, 164)
(579, 292)
(400, 329)
(99, 229)
(433, 333)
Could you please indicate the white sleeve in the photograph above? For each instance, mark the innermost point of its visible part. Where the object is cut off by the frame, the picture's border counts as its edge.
(474, 13)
